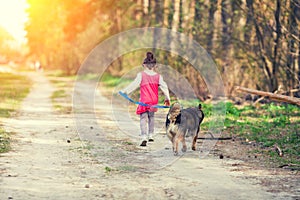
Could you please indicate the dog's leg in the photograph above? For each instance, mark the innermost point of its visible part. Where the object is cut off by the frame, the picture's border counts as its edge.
(175, 145)
(184, 148)
(195, 141)
(172, 137)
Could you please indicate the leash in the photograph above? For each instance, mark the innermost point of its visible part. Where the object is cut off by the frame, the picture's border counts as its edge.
(141, 103)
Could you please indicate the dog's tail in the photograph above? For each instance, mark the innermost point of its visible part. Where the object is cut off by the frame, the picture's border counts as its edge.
(200, 106)
(174, 112)
(201, 112)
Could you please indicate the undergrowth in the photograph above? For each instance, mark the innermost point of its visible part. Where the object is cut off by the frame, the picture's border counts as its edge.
(267, 125)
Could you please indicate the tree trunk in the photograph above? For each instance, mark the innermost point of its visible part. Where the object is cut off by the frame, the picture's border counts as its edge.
(197, 20)
(249, 20)
(211, 25)
(276, 60)
(176, 15)
(146, 6)
(138, 13)
(225, 26)
(158, 12)
(261, 48)
(166, 13)
(294, 46)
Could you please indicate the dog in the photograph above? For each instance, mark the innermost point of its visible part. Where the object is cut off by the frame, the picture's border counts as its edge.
(181, 123)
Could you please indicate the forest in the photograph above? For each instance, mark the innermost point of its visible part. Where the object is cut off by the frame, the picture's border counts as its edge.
(254, 43)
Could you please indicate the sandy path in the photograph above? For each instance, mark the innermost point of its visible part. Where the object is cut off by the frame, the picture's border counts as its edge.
(43, 165)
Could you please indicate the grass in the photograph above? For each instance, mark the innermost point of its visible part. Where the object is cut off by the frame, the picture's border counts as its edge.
(61, 98)
(58, 73)
(13, 89)
(113, 81)
(58, 94)
(59, 101)
(108, 169)
(268, 126)
(4, 141)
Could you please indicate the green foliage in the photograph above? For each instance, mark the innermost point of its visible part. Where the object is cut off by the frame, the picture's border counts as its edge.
(113, 81)
(232, 110)
(109, 80)
(207, 109)
(108, 169)
(189, 103)
(229, 108)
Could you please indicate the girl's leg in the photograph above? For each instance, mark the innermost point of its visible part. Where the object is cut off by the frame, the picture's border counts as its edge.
(143, 126)
(151, 125)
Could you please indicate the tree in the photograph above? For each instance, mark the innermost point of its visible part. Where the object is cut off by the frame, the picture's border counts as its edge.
(254, 43)
(52, 29)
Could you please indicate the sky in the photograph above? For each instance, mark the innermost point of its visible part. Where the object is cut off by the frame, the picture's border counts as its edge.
(13, 17)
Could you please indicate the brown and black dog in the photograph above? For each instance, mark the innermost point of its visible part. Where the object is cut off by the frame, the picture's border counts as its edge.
(181, 123)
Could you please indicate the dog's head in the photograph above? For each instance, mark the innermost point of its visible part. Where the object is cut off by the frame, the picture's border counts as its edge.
(174, 112)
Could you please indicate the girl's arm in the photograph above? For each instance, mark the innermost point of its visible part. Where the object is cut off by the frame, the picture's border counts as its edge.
(164, 88)
(133, 85)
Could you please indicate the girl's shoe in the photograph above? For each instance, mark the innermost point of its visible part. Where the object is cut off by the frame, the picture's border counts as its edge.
(144, 143)
(150, 138)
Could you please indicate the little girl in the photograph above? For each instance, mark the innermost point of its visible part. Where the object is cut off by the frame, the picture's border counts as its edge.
(149, 81)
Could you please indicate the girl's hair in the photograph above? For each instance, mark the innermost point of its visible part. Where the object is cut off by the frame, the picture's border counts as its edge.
(149, 61)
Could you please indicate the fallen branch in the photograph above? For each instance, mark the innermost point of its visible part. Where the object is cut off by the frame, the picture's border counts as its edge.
(278, 97)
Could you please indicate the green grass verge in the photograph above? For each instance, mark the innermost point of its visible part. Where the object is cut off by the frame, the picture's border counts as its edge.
(113, 81)
(267, 125)
(57, 97)
(61, 97)
(13, 89)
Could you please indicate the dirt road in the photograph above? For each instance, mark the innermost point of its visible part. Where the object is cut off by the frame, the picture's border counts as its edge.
(56, 157)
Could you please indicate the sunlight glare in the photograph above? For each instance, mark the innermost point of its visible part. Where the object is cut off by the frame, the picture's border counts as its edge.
(13, 18)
